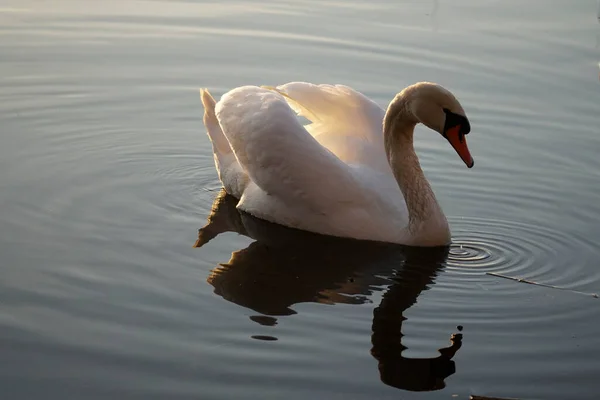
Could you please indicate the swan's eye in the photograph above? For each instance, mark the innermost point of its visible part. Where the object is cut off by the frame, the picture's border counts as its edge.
(453, 120)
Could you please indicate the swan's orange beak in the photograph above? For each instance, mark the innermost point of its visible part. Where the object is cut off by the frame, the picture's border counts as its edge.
(459, 142)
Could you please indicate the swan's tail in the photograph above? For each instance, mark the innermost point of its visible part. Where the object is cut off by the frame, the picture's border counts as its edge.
(218, 139)
(231, 174)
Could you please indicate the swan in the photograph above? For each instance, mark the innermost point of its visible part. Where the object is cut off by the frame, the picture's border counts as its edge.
(351, 171)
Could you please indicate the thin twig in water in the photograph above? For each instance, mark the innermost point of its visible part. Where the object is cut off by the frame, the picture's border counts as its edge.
(540, 284)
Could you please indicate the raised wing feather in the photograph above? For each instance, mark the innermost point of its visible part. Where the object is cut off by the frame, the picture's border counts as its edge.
(336, 110)
(279, 155)
(344, 121)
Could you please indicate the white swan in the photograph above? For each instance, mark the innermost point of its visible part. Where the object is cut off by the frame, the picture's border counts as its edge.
(352, 172)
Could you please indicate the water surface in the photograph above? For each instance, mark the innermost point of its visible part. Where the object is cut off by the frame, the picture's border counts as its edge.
(106, 175)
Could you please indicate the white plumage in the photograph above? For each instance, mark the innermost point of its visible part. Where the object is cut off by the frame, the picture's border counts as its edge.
(331, 176)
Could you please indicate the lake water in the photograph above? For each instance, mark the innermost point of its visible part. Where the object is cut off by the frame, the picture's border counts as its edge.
(106, 174)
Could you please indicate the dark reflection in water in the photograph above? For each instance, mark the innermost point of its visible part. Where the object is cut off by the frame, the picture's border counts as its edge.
(285, 266)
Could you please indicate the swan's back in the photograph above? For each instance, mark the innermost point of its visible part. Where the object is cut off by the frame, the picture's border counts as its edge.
(330, 177)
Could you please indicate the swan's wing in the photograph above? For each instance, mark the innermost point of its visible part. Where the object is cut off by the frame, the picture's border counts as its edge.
(335, 110)
(278, 154)
(343, 120)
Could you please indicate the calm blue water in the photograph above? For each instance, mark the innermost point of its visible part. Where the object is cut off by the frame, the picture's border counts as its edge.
(106, 174)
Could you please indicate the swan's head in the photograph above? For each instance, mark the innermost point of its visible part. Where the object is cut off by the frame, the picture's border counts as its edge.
(438, 109)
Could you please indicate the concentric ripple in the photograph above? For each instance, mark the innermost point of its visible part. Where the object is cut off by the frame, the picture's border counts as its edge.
(520, 250)
(473, 254)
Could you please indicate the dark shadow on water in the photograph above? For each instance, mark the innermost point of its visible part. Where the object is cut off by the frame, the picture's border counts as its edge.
(285, 266)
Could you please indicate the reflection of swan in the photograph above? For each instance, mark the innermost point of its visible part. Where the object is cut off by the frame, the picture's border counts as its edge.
(352, 172)
(285, 266)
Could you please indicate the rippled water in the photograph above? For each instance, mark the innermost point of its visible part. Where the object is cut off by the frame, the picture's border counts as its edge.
(106, 174)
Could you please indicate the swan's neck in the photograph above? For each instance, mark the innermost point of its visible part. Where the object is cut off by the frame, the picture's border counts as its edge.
(427, 224)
